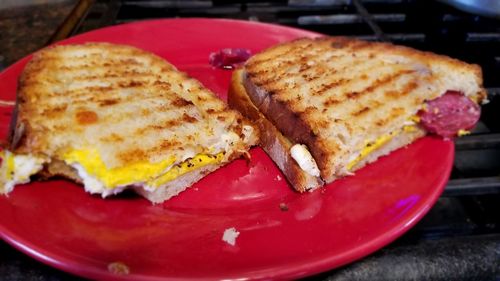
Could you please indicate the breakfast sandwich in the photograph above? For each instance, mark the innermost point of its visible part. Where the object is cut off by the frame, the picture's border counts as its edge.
(328, 106)
(113, 117)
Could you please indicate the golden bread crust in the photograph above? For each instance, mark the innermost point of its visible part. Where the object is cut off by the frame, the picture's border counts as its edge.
(271, 140)
(127, 103)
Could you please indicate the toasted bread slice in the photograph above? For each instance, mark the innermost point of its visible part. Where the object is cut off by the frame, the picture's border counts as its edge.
(336, 94)
(272, 141)
(278, 147)
(94, 107)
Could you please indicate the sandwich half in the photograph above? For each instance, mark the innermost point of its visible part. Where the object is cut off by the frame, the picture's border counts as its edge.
(113, 117)
(336, 104)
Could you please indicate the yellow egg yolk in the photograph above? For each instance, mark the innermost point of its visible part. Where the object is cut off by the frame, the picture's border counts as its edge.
(153, 174)
(198, 161)
(137, 172)
(9, 159)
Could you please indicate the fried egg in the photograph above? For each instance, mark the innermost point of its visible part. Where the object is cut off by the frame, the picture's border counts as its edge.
(96, 177)
(17, 169)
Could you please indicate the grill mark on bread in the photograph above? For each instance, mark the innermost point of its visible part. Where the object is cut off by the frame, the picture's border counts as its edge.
(108, 102)
(109, 76)
(329, 86)
(112, 138)
(165, 125)
(132, 84)
(369, 89)
(55, 111)
(395, 112)
(315, 76)
(325, 87)
(87, 91)
(331, 101)
(165, 145)
(188, 118)
(361, 111)
(262, 81)
(287, 52)
(133, 155)
(86, 117)
(386, 80)
(275, 74)
(180, 102)
(407, 89)
(80, 92)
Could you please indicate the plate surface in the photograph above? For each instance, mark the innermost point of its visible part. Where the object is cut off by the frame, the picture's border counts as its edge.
(59, 224)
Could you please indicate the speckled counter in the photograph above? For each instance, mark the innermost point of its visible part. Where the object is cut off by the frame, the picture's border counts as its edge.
(27, 28)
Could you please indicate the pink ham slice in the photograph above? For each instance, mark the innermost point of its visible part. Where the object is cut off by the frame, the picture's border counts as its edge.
(448, 114)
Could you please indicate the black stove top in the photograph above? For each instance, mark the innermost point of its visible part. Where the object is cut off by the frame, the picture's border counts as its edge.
(459, 239)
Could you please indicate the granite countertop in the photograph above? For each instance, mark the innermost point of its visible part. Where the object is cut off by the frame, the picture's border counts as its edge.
(27, 25)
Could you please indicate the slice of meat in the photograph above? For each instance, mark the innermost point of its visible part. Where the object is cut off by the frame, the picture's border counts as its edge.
(229, 58)
(448, 114)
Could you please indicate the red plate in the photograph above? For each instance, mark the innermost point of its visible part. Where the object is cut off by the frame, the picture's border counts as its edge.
(59, 224)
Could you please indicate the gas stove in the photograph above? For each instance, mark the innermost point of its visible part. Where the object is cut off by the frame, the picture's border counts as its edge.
(460, 237)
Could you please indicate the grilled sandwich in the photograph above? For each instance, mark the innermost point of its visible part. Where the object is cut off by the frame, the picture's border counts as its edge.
(328, 106)
(113, 117)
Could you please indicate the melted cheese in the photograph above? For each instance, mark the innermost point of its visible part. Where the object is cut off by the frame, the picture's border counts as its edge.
(376, 144)
(369, 148)
(189, 165)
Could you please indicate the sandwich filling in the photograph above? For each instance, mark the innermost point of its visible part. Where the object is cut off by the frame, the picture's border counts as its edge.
(304, 159)
(448, 116)
(17, 169)
(114, 117)
(371, 146)
(97, 178)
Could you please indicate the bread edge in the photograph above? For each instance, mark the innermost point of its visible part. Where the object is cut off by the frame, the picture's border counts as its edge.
(272, 141)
